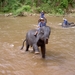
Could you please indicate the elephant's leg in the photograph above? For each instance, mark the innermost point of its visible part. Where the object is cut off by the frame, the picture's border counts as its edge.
(43, 49)
(27, 45)
(35, 48)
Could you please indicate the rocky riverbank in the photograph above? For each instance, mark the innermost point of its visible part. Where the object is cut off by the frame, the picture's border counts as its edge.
(25, 14)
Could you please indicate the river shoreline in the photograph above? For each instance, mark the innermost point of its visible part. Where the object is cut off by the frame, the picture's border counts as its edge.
(25, 14)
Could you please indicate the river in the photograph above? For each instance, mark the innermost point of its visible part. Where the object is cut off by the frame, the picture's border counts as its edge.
(60, 51)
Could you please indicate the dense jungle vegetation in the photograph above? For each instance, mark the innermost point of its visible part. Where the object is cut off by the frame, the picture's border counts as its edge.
(36, 6)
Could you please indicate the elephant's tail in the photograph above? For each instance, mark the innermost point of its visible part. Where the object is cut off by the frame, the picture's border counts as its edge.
(23, 44)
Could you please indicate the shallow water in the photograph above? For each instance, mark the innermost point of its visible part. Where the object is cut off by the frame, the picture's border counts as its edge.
(60, 51)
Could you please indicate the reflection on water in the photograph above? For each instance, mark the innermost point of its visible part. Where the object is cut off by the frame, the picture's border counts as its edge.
(60, 53)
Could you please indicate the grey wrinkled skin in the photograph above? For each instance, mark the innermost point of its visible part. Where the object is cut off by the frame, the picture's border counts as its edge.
(37, 41)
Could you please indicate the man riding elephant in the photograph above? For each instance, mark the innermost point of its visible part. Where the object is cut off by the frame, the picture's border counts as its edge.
(39, 41)
(65, 23)
(40, 24)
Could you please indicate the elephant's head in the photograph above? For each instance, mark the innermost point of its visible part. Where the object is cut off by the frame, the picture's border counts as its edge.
(45, 33)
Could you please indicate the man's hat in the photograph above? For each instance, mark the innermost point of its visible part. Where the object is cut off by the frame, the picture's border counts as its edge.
(42, 19)
(64, 19)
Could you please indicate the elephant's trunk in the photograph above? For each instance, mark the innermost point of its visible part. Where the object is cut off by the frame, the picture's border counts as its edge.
(46, 41)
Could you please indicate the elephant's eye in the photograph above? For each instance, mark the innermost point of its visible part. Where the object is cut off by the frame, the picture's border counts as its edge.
(42, 32)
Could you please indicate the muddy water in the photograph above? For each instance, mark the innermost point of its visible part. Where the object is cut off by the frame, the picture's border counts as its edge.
(60, 52)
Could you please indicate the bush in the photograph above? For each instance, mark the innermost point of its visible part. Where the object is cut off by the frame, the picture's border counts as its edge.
(60, 11)
(44, 7)
(10, 5)
(26, 8)
(5, 9)
(22, 9)
(38, 10)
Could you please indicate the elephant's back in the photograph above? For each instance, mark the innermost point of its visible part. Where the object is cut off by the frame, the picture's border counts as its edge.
(31, 32)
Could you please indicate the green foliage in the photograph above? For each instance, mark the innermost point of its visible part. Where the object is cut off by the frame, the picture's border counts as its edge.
(59, 11)
(45, 7)
(28, 2)
(11, 5)
(73, 3)
(49, 6)
(49, 2)
(38, 10)
(64, 4)
(25, 8)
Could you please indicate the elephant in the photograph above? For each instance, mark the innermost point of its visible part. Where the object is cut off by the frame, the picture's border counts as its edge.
(71, 24)
(37, 41)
